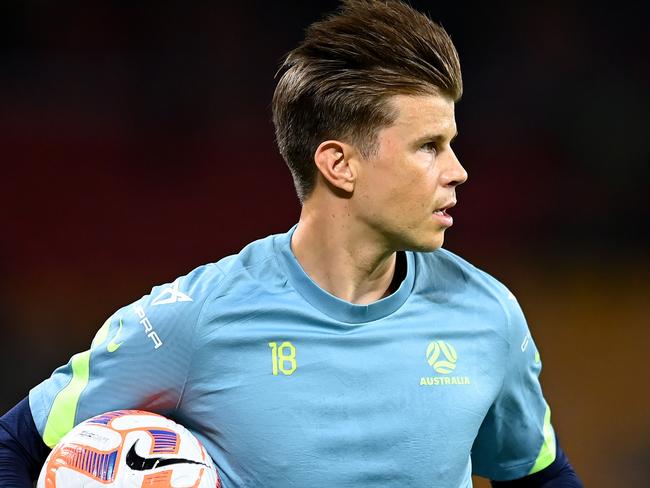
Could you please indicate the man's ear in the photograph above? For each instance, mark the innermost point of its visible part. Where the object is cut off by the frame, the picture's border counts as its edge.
(334, 161)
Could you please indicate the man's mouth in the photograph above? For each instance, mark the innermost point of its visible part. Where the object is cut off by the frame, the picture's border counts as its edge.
(442, 215)
(443, 209)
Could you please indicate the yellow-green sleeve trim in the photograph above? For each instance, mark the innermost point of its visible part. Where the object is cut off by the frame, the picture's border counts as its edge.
(547, 452)
(61, 418)
(64, 408)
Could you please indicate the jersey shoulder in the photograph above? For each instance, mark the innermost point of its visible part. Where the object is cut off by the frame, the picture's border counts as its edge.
(255, 263)
(255, 266)
(446, 276)
(473, 274)
(443, 268)
(224, 286)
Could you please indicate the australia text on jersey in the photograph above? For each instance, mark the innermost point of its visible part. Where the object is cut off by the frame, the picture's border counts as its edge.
(442, 357)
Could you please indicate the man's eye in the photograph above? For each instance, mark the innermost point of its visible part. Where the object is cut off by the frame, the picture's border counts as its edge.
(429, 147)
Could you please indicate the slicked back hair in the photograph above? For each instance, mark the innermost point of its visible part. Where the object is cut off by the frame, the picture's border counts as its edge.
(337, 83)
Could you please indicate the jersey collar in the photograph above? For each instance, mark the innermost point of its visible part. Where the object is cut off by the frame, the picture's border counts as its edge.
(334, 307)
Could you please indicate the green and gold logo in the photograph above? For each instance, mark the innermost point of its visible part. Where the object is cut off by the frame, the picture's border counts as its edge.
(443, 365)
(442, 357)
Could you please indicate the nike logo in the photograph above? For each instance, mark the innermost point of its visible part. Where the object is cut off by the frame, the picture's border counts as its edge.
(114, 346)
(139, 463)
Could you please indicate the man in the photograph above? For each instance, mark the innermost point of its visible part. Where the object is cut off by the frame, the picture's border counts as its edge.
(352, 350)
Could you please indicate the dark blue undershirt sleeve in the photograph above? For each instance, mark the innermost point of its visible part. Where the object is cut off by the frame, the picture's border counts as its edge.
(559, 474)
(22, 450)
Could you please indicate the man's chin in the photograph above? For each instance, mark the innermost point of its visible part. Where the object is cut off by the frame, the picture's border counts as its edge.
(426, 244)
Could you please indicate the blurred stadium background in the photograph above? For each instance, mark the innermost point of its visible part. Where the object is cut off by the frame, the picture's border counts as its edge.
(136, 143)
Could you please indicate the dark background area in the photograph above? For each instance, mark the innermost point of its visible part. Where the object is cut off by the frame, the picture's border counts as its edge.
(136, 144)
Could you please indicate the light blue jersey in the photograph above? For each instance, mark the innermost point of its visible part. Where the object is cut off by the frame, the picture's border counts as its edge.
(289, 386)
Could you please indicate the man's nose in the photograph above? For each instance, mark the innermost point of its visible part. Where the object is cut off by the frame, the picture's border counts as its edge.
(454, 174)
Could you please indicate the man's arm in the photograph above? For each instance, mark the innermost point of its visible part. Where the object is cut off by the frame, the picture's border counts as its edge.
(559, 474)
(516, 441)
(22, 451)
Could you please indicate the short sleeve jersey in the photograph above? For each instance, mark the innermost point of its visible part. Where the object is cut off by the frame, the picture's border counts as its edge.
(287, 385)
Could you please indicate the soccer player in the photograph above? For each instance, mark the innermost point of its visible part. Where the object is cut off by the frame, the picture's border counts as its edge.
(351, 351)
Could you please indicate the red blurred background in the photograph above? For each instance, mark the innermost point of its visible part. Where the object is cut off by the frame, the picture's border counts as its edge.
(136, 144)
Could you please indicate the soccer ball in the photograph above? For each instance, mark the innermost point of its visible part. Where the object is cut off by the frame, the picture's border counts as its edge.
(128, 449)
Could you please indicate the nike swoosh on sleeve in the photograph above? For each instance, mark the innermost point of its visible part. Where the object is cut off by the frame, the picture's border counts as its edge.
(114, 346)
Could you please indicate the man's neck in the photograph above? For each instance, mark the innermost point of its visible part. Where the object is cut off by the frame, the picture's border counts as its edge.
(342, 259)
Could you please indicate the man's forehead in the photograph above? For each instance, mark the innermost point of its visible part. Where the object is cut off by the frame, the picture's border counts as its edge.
(425, 113)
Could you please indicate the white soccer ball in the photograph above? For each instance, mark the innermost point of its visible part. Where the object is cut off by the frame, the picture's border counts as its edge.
(128, 449)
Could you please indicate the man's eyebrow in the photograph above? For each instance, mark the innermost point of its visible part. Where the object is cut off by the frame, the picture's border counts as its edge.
(436, 137)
